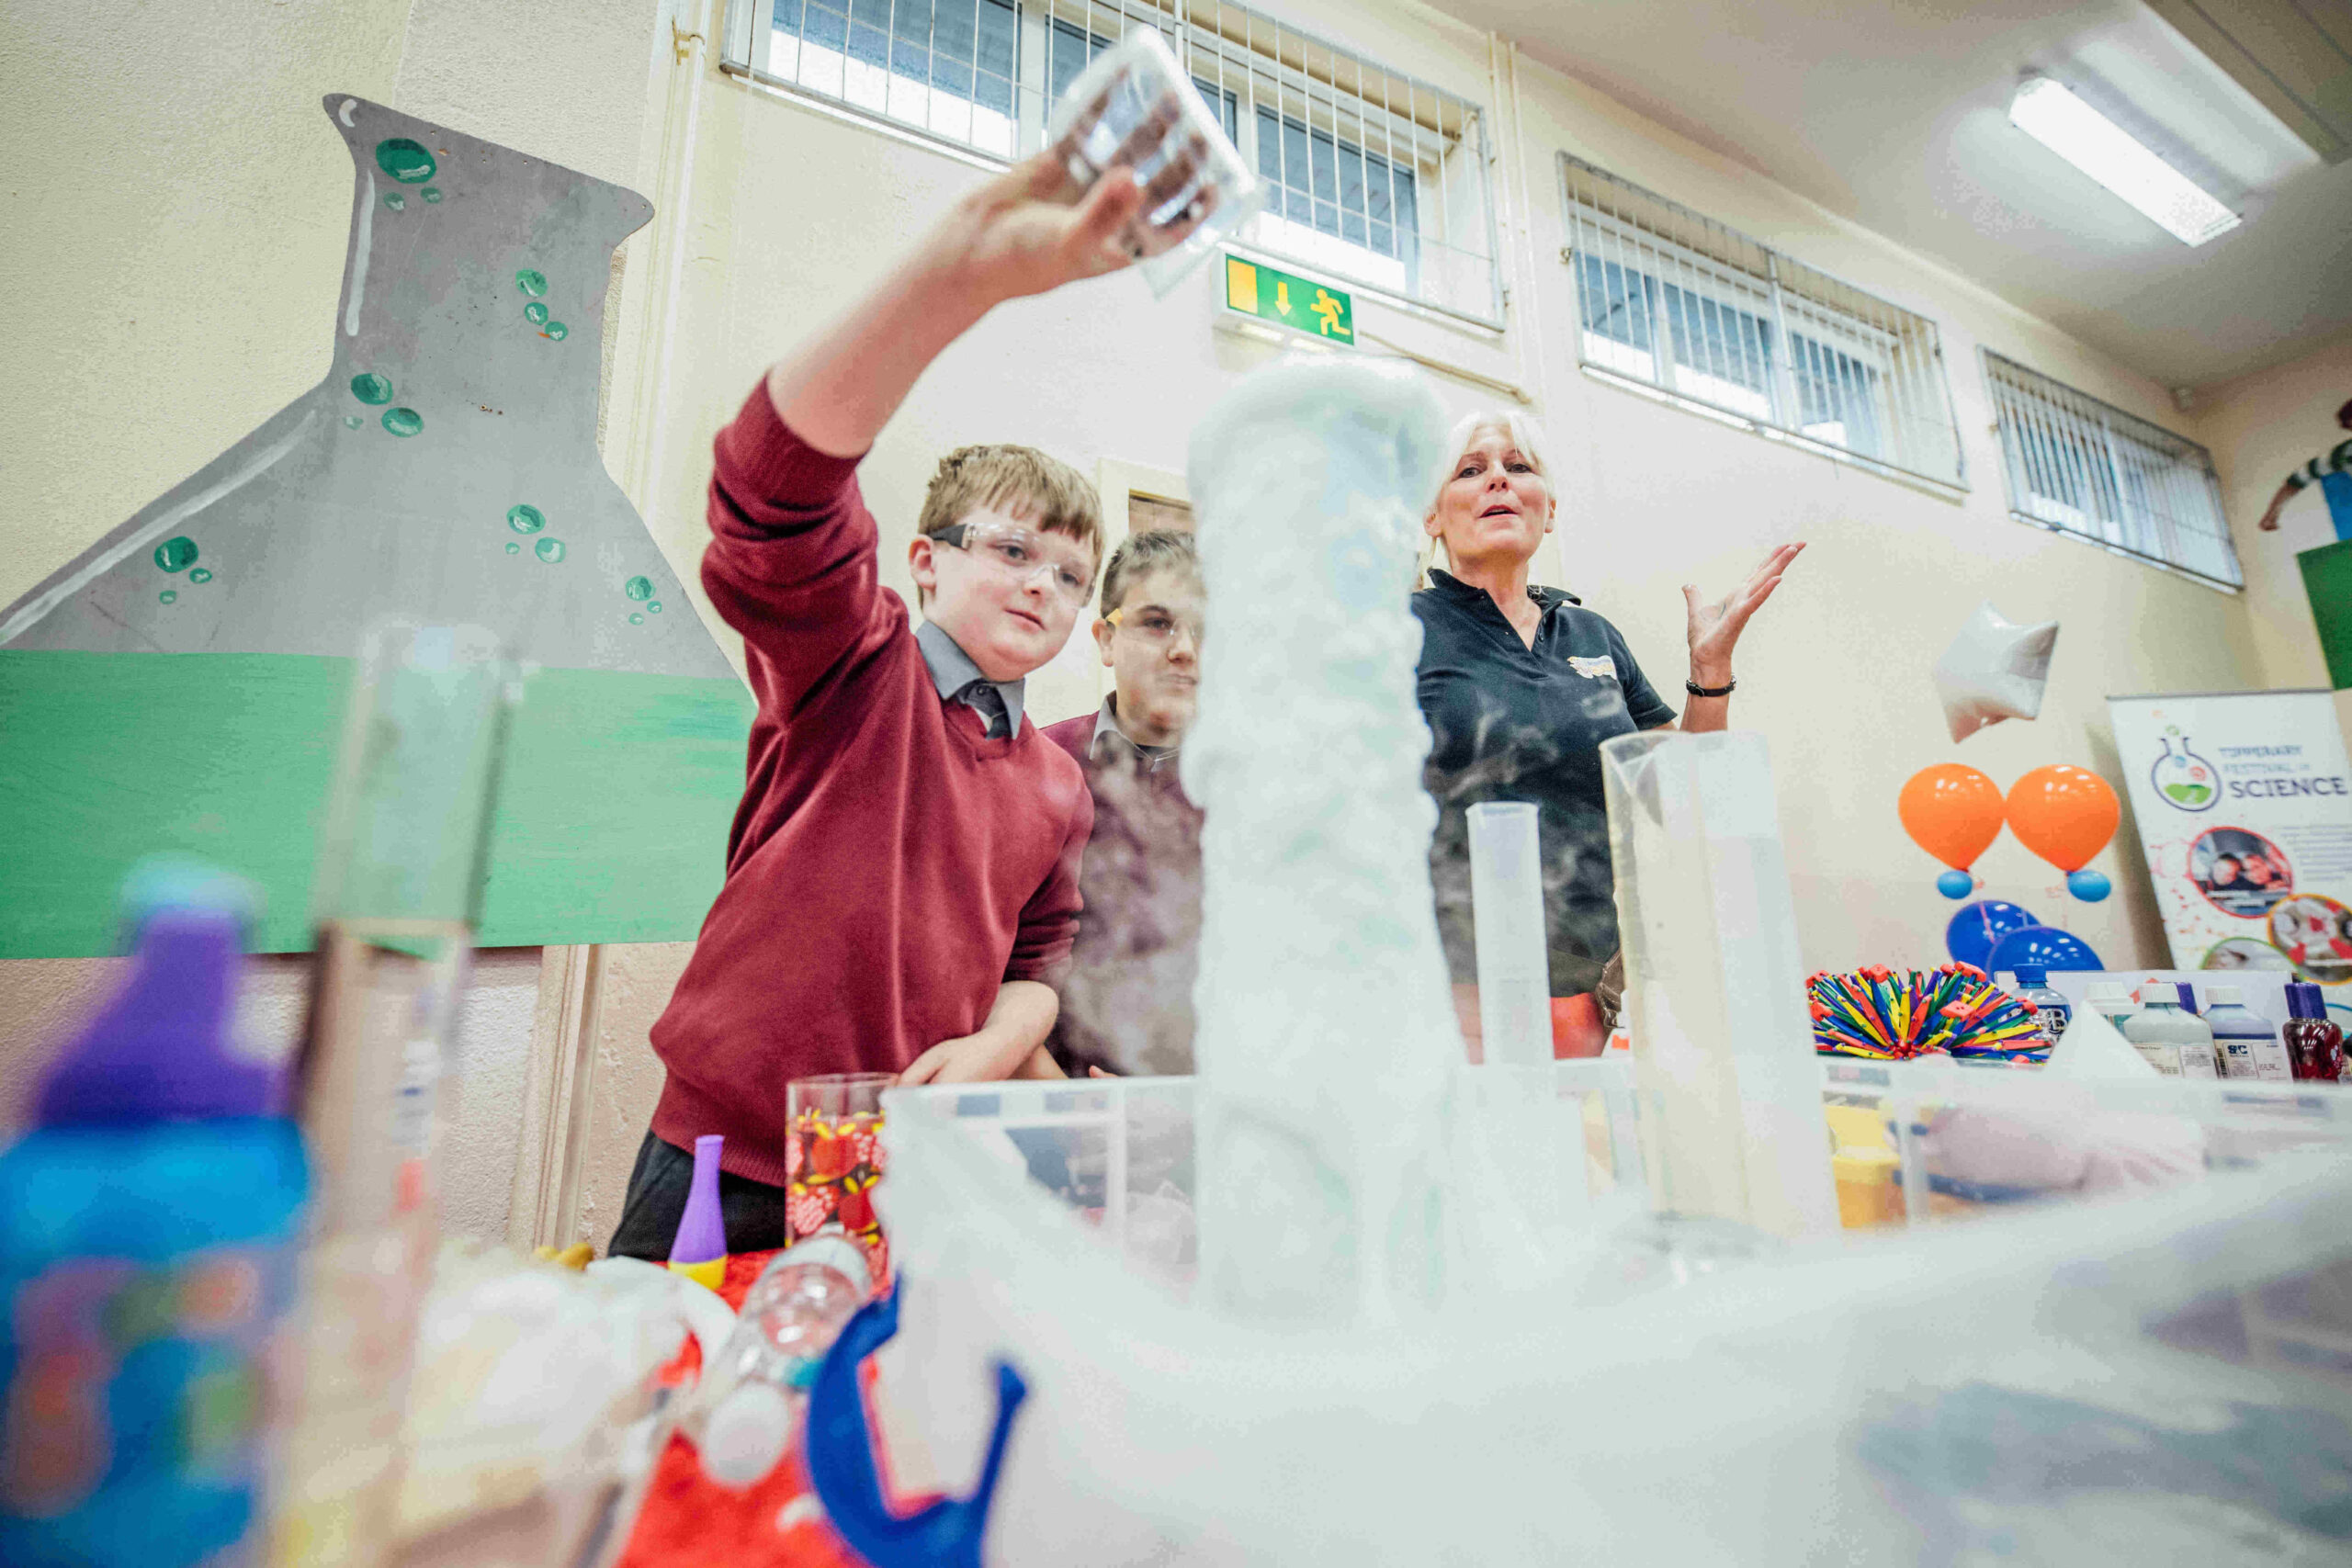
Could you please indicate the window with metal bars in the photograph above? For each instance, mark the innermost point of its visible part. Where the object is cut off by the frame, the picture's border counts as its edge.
(1374, 178)
(1679, 302)
(2083, 467)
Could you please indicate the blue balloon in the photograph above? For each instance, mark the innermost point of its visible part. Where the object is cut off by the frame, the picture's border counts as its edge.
(2090, 886)
(1955, 885)
(1974, 929)
(2045, 946)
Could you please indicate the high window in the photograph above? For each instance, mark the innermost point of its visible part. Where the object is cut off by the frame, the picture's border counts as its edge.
(1676, 302)
(2088, 469)
(1374, 178)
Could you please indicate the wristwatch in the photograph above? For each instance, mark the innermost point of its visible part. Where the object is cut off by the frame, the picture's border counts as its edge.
(1696, 690)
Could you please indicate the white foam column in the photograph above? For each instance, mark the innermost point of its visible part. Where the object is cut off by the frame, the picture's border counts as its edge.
(1326, 1030)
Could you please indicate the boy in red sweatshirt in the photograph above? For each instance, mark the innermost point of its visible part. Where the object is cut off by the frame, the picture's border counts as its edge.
(902, 886)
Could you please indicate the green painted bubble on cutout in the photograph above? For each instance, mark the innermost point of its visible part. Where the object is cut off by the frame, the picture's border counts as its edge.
(396, 201)
(655, 606)
(168, 596)
(403, 421)
(531, 283)
(536, 313)
(371, 387)
(556, 331)
(639, 588)
(405, 160)
(525, 519)
(513, 548)
(432, 194)
(352, 422)
(634, 619)
(177, 554)
(548, 550)
(199, 575)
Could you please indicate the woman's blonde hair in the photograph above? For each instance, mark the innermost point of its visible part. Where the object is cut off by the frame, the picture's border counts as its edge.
(1525, 434)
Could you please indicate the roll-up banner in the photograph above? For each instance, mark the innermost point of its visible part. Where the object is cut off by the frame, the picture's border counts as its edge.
(2244, 802)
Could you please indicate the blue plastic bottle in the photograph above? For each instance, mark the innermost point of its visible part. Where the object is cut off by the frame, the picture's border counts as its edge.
(147, 1237)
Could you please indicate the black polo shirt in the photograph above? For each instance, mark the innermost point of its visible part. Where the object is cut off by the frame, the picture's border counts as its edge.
(1511, 722)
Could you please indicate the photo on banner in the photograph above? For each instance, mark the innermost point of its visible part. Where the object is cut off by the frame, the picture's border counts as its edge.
(2244, 803)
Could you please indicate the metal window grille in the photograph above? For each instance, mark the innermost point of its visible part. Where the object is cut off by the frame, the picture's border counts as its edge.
(1374, 178)
(2083, 467)
(1674, 300)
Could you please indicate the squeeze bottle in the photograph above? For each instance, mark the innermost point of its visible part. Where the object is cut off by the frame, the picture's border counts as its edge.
(148, 1228)
(2163, 1030)
(2247, 1043)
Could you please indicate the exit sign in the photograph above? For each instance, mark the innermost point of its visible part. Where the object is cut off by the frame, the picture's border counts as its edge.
(1297, 302)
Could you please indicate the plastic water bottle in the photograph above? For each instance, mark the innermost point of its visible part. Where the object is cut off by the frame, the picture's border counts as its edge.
(2052, 1011)
(2162, 1028)
(750, 1399)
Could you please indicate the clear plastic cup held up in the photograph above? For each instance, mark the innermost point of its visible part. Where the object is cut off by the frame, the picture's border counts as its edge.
(1118, 96)
(835, 1160)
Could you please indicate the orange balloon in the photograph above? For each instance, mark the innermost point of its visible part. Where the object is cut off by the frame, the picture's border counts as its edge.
(1953, 811)
(2064, 814)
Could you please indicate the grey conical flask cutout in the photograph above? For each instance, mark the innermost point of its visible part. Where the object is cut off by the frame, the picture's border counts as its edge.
(180, 683)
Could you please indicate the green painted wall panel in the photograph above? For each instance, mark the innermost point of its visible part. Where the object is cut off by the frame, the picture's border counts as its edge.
(613, 812)
(2327, 581)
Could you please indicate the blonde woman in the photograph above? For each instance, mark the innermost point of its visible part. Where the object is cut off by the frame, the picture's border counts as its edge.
(1522, 684)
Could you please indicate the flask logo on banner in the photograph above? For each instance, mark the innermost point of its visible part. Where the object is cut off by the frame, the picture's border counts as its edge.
(2185, 780)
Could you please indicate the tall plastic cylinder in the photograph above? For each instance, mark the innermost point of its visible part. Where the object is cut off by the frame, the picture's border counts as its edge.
(1326, 1031)
(1723, 1048)
(1507, 906)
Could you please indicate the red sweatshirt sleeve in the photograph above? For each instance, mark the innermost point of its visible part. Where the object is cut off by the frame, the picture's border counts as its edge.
(791, 560)
(1048, 927)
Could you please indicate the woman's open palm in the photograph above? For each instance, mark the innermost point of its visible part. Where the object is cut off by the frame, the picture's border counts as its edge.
(1715, 628)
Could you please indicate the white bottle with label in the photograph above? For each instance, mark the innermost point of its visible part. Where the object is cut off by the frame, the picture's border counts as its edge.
(2247, 1042)
(2112, 1000)
(2175, 1040)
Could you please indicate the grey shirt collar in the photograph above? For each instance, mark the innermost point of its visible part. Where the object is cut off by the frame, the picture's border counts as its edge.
(1109, 740)
(952, 670)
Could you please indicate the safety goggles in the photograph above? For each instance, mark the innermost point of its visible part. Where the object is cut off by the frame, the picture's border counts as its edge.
(1155, 625)
(1020, 555)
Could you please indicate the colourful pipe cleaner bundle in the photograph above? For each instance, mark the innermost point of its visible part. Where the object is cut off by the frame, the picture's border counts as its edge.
(1892, 1016)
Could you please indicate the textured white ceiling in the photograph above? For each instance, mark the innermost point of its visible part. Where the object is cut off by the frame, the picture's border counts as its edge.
(1895, 114)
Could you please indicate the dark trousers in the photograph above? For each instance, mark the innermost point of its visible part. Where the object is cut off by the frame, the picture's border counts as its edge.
(664, 1174)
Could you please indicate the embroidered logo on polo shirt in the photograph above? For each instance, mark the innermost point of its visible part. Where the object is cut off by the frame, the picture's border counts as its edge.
(1599, 668)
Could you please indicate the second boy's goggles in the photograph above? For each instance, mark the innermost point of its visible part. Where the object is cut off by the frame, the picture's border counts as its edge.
(1020, 554)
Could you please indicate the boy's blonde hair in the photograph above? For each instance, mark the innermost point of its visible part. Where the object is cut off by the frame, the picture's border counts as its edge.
(1044, 491)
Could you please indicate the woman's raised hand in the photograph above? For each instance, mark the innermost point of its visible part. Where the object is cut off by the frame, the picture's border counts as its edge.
(1715, 628)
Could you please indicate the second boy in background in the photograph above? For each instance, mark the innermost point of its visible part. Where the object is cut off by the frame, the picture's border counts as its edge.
(1128, 1001)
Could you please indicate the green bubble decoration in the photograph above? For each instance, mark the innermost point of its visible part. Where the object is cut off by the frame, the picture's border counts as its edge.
(405, 160)
(556, 331)
(432, 195)
(634, 619)
(531, 283)
(535, 313)
(199, 575)
(403, 421)
(655, 606)
(548, 550)
(525, 519)
(175, 554)
(639, 588)
(513, 548)
(167, 597)
(396, 201)
(371, 387)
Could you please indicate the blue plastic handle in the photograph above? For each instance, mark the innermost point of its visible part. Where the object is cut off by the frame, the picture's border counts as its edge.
(945, 1534)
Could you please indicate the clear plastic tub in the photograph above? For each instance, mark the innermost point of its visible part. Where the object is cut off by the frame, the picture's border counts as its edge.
(1699, 1393)
(1112, 100)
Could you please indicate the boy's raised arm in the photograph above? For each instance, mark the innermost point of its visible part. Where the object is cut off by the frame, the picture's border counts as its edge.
(1027, 231)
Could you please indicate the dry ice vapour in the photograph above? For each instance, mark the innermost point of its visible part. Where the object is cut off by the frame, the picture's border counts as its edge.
(1392, 1349)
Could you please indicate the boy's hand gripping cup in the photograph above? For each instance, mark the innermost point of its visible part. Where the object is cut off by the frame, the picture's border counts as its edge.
(1127, 90)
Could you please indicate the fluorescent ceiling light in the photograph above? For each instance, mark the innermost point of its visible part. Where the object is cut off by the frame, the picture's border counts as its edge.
(2046, 111)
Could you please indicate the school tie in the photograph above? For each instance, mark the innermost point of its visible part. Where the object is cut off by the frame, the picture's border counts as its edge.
(983, 698)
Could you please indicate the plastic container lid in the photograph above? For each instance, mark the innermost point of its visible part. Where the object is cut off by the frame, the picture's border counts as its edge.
(2223, 996)
(2035, 974)
(2159, 993)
